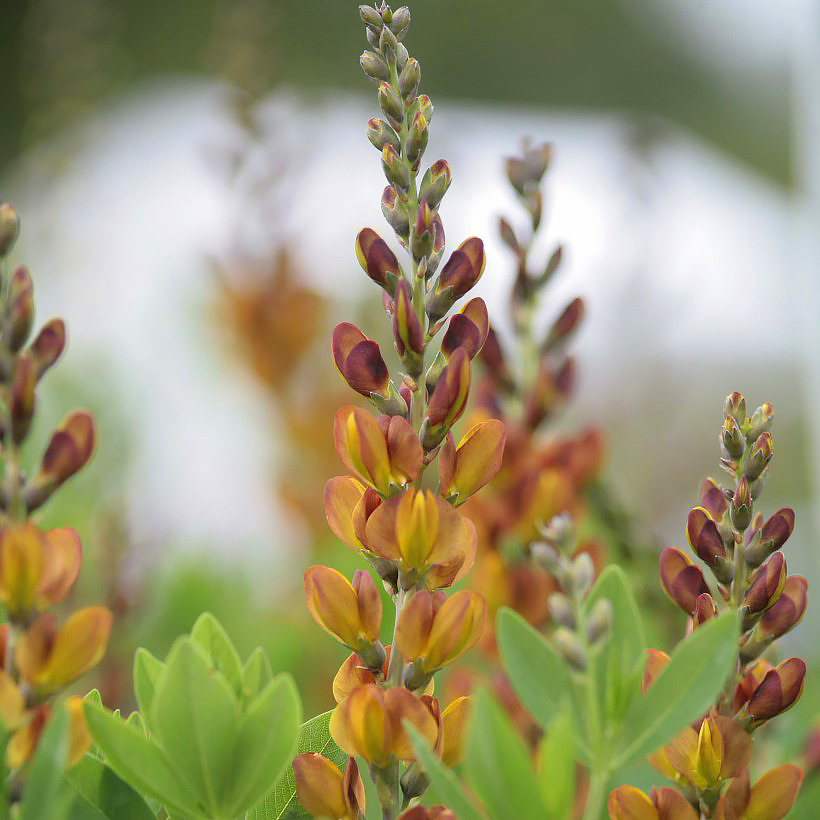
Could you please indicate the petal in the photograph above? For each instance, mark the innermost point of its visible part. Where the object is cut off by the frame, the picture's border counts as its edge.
(63, 556)
(457, 627)
(341, 496)
(332, 602)
(352, 674)
(79, 738)
(773, 795)
(414, 624)
(478, 456)
(628, 803)
(453, 727)
(319, 786)
(404, 706)
(380, 530)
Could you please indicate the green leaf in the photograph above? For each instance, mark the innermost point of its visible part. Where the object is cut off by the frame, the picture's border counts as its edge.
(613, 670)
(281, 802)
(147, 670)
(138, 761)
(209, 634)
(100, 793)
(444, 784)
(556, 767)
(535, 670)
(44, 795)
(256, 674)
(682, 692)
(266, 742)
(195, 714)
(497, 765)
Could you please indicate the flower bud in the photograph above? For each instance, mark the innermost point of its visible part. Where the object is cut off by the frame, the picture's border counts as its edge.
(417, 135)
(565, 325)
(468, 329)
(409, 80)
(712, 499)
(394, 168)
(9, 228)
(741, 506)
(466, 468)
(351, 613)
(374, 66)
(582, 574)
(407, 331)
(436, 180)
(377, 260)
(68, 450)
(400, 22)
(19, 309)
(561, 610)
(545, 556)
(324, 792)
(705, 609)
(785, 613)
(599, 623)
(372, 36)
(760, 456)
(449, 398)
(388, 43)
(732, 439)
(371, 17)
(391, 105)
(359, 361)
(380, 134)
(703, 537)
(460, 273)
(681, 580)
(22, 397)
(570, 648)
(765, 586)
(395, 212)
(778, 692)
(422, 239)
(770, 537)
(735, 407)
(760, 422)
(508, 236)
(48, 345)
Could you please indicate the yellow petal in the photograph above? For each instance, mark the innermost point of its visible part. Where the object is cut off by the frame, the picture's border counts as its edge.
(453, 727)
(319, 786)
(342, 494)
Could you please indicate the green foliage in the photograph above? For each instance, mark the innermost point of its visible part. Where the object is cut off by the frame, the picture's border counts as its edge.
(103, 795)
(556, 767)
(217, 735)
(44, 795)
(682, 692)
(281, 803)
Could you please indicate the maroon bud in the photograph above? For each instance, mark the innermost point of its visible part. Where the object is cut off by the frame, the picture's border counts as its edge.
(565, 325)
(20, 309)
(682, 581)
(705, 608)
(360, 361)
(787, 612)
(712, 499)
(48, 345)
(449, 398)
(467, 329)
(735, 406)
(740, 509)
(760, 456)
(407, 330)
(22, 397)
(377, 260)
(461, 271)
(703, 536)
(766, 585)
(778, 691)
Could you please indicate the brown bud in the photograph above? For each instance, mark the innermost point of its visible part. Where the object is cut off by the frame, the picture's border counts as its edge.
(741, 507)
(468, 329)
(407, 331)
(9, 228)
(359, 361)
(787, 612)
(779, 690)
(712, 499)
(377, 260)
(735, 406)
(772, 535)
(705, 608)
(462, 270)
(22, 397)
(682, 581)
(565, 325)
(703, 536)
(766, 585)
(760, 456)
(19, 310)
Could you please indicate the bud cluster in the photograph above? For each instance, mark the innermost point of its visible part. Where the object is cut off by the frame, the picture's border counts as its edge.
(741, 551)
(387, 508)
(39, 656)
(580, 629)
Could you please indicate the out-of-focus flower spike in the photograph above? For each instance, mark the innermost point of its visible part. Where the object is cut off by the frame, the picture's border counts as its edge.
(69, 449)
(681, 579)
(465, 469)
(565, 325)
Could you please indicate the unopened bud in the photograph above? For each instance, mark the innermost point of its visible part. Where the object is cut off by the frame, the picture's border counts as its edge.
(732, 439)
(414, 782)
(425, 107)
(20, 309)
(9, 228)
(561, 610)
(735, 406)
(435, 182)
(374, 66)
(22, 397)
(401, 56)
(570, 648)
(371, 17)
(582, 574)
(422, 241)
(388, 43)
(417, 136)
(545, 556)
(760, 456)
(760, 422)
(559, 531)
(391, 105)
(508, 236)
(409, 80)
(48, 345)
(394, 169)
(380, 134)
(565, 325)
(741, 507)
(400, 22)
(395, 212)
(599, 622)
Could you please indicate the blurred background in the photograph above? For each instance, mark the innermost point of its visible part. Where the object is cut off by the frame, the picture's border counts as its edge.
(191, 177)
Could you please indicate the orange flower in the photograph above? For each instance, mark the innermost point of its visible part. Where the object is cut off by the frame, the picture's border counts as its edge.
(49, 657)
(368, 723)
(771, 798)
(324, 792)
(424, 535)
(466, 468)
(23, 742)
(628, 803)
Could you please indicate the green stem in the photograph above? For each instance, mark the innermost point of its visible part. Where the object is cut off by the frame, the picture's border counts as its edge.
(596, 792)
(396, 665)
